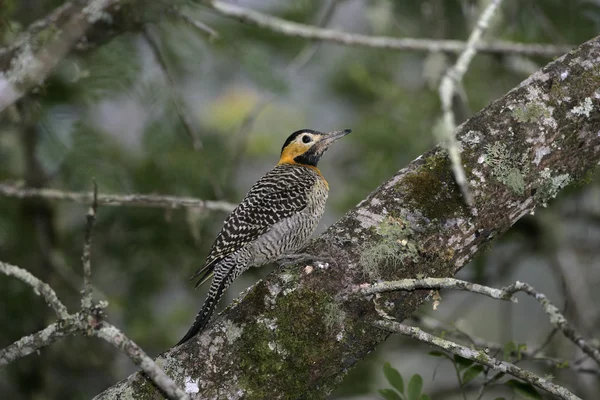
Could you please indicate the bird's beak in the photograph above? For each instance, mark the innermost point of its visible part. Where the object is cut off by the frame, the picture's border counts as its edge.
(331, 137)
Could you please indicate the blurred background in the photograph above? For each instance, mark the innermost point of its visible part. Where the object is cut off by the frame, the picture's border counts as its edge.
(114, 114)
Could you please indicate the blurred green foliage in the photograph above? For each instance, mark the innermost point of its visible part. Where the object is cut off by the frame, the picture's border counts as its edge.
(109, 115)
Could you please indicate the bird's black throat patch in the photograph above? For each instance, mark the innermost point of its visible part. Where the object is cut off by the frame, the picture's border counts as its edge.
(309, 157)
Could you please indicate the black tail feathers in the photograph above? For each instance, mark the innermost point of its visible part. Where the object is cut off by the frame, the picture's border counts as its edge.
(201, 321)
(208, 308)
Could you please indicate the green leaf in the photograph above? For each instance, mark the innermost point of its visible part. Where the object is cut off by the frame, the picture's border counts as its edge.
(389, 394)
(509, 348)
(472, 373)
(424, 397)
(393, 377)
(414, 387)
(462, 362)
(521, 348)
(436, 354)
(524, 390)
(499, 398)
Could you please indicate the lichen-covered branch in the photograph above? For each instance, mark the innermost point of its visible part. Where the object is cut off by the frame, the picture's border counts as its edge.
(556, 318)
(296, 332)
(289, 28)
(36, 341)
(88, 321)
(40, 288)
(86, 258)
(118, 339)
(478, 356)
(31, 58)
(448, 85)
(133, 200)
(436, 283)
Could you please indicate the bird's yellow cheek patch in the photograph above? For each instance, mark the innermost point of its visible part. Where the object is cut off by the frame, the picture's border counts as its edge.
(292, 151)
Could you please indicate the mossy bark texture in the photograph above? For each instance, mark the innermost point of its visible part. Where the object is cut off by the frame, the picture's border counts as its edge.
(295, 333)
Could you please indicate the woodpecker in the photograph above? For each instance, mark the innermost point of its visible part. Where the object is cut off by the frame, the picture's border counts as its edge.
(274, 220)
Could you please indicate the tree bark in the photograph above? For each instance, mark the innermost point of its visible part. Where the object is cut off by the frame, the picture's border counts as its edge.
(295, 333)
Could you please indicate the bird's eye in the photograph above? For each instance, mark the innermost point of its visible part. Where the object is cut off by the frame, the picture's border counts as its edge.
(306, 139)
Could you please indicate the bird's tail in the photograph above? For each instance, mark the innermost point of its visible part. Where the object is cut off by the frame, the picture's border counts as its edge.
(217, 288)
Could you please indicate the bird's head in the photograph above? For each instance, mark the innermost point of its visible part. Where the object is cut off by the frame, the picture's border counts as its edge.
(306, 146)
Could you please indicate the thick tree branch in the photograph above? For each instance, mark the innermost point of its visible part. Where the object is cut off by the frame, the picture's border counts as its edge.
(295, 333)
(288, 28)
(31, 58)
(478, 356)
(135, 200)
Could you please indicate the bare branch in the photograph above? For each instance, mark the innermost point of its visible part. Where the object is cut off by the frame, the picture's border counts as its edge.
(138, 200)
(118, 339)
(86, 258)
(34, 342)
(478, 356)
(556, 318)
(436, 283)
(201, 26)
(39, 288)
(289, 28)
(448, 85)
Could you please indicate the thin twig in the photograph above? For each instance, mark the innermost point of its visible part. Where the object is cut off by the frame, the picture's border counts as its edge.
(138, 200)
(294, 29)
(201, 26)
(40, 288)
(451, 332)
(118, 339)
(478, 356)
(435, 283)
(86, 258)
(180, 106)
(448, 85)
(556, 318)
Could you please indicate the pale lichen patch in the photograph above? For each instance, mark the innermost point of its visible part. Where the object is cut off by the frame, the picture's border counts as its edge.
(550, 186)
(540, 152)
(191, 385)
(584, 108)
(506, 167)
(232, 331)
(368, 219)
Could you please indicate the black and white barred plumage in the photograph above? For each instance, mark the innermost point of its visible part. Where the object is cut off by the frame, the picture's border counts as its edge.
(275, 218)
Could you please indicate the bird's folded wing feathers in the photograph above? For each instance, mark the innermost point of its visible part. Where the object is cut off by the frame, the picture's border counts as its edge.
(268, 202)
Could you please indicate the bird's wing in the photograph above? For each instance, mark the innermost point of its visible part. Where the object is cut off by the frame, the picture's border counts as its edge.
(279, 194)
